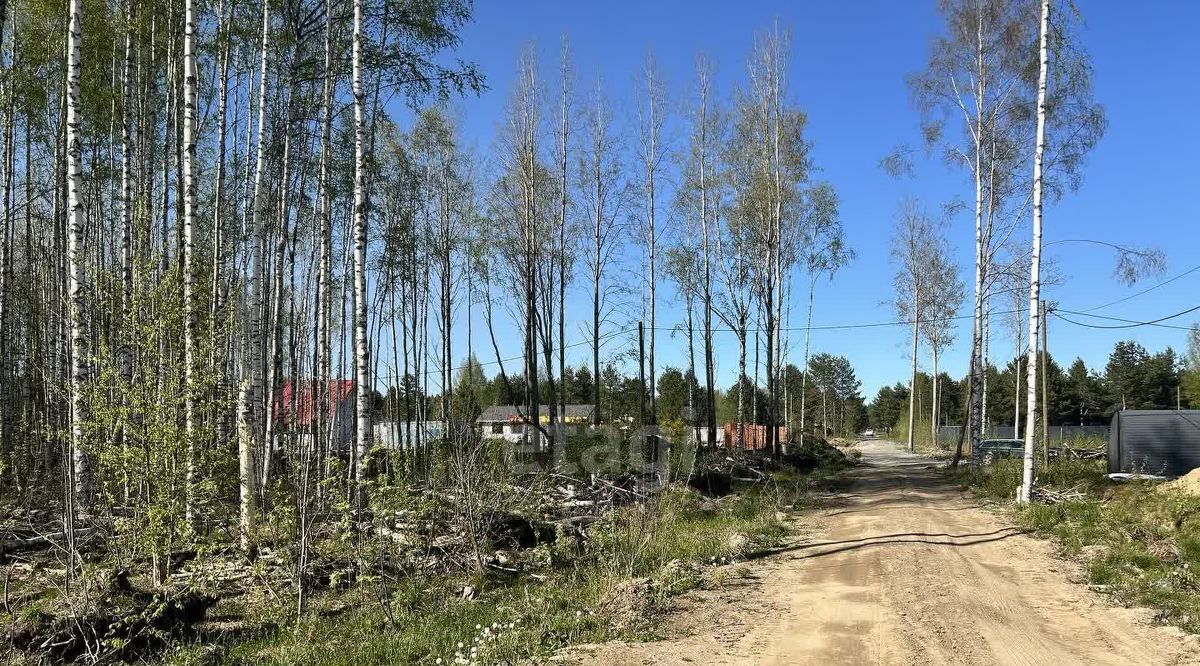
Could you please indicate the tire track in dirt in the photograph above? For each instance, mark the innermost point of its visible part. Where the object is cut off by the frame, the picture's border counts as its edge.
(903, 568)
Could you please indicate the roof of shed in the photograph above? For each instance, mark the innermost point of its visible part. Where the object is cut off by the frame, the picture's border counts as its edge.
(497, 413)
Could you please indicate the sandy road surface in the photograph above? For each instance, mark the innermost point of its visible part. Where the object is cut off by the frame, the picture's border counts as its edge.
(904, 569)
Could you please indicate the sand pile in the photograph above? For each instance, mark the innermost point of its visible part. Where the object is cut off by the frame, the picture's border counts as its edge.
(1189, 483)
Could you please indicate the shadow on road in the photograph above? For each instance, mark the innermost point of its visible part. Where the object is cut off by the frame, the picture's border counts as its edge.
(890, 479)
(825, 548)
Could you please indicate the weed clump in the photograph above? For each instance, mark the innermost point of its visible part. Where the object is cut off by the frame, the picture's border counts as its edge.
(1138, 542)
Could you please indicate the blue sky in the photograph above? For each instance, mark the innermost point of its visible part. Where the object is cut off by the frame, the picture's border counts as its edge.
(848, 67)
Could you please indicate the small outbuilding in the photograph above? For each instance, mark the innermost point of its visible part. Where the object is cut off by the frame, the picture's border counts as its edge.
(508, 422)
(1163, 442)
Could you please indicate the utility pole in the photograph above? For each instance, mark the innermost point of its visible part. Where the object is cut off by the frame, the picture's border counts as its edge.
(648, 440)
(1045, 391)
(641, 374)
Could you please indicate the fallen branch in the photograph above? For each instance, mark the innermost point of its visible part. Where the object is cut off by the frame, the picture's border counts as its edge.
(40, 542)
(1048, 495)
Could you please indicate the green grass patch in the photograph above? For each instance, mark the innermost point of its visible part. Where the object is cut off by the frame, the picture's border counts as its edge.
(635, 558)
(1139, 542)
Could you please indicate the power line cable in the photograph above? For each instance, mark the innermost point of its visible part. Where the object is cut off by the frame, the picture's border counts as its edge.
(1128, 323)
(520, 357)
(1164, 283)
(1125, 323)
(842, 327)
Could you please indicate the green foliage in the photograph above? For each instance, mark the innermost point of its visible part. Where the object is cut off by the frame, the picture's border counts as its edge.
(673, 386)
(1134, 379)
(887, 407)
(134, 430)
(1190, 379)
(420, 619)
(595, 451)
(1141, 543)
(836, 404)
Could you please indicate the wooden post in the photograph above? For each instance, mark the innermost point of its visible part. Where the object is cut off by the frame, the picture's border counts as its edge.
(648, 440)
(1045, 391)
(641, 374)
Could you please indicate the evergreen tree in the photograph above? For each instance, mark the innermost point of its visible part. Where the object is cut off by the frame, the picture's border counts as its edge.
(1125, 380)
(1084, 392)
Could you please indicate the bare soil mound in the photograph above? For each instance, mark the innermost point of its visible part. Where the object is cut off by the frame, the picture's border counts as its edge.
(1188, 484)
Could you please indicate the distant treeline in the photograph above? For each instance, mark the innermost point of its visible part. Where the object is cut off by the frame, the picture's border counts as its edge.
(1132, 379)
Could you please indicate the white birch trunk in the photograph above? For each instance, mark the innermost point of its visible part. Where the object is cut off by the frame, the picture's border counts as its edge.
(247, 424)
(986, 342)
(562, 236)
(1017, 380)
(709, 366)
(1035, 264)
(189, 250)
(125, 355)
(597, 256)
(257, 228)
(81, 468)
(218, 252)
(276, 310)
(5, 213)
(978, 362)
(651, 164)
(361, 354)
(324, 288)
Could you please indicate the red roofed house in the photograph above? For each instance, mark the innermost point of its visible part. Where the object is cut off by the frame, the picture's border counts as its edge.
(296, 408)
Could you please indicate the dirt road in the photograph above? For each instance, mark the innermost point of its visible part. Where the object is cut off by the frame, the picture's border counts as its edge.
(904, 569)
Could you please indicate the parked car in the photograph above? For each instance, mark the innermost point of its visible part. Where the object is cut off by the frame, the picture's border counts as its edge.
(991, 450)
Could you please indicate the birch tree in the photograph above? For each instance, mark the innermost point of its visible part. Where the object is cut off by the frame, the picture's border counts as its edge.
(444, 196)
(604, 193)
(1068, 125)
(698, 202)
(5, 233)
(362, 442)
(912, 252)
(189, 248)
(651, 119)
(323, 343)
(566, 80)
(946, 293)
(824, 251)
(1035, 261)
(973, 77)
(258, 230)
(76, 280)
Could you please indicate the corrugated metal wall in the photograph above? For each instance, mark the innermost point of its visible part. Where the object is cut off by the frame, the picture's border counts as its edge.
(1058, 433)
(1165, 442)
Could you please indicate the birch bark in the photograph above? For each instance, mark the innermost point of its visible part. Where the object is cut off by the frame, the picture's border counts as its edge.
(1035, 263)
(362, 441)
(81, 468)
(189, 250)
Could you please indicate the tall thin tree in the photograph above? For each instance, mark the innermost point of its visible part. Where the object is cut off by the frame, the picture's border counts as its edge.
(362, 366)
(76, 276)
(1035, 262)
